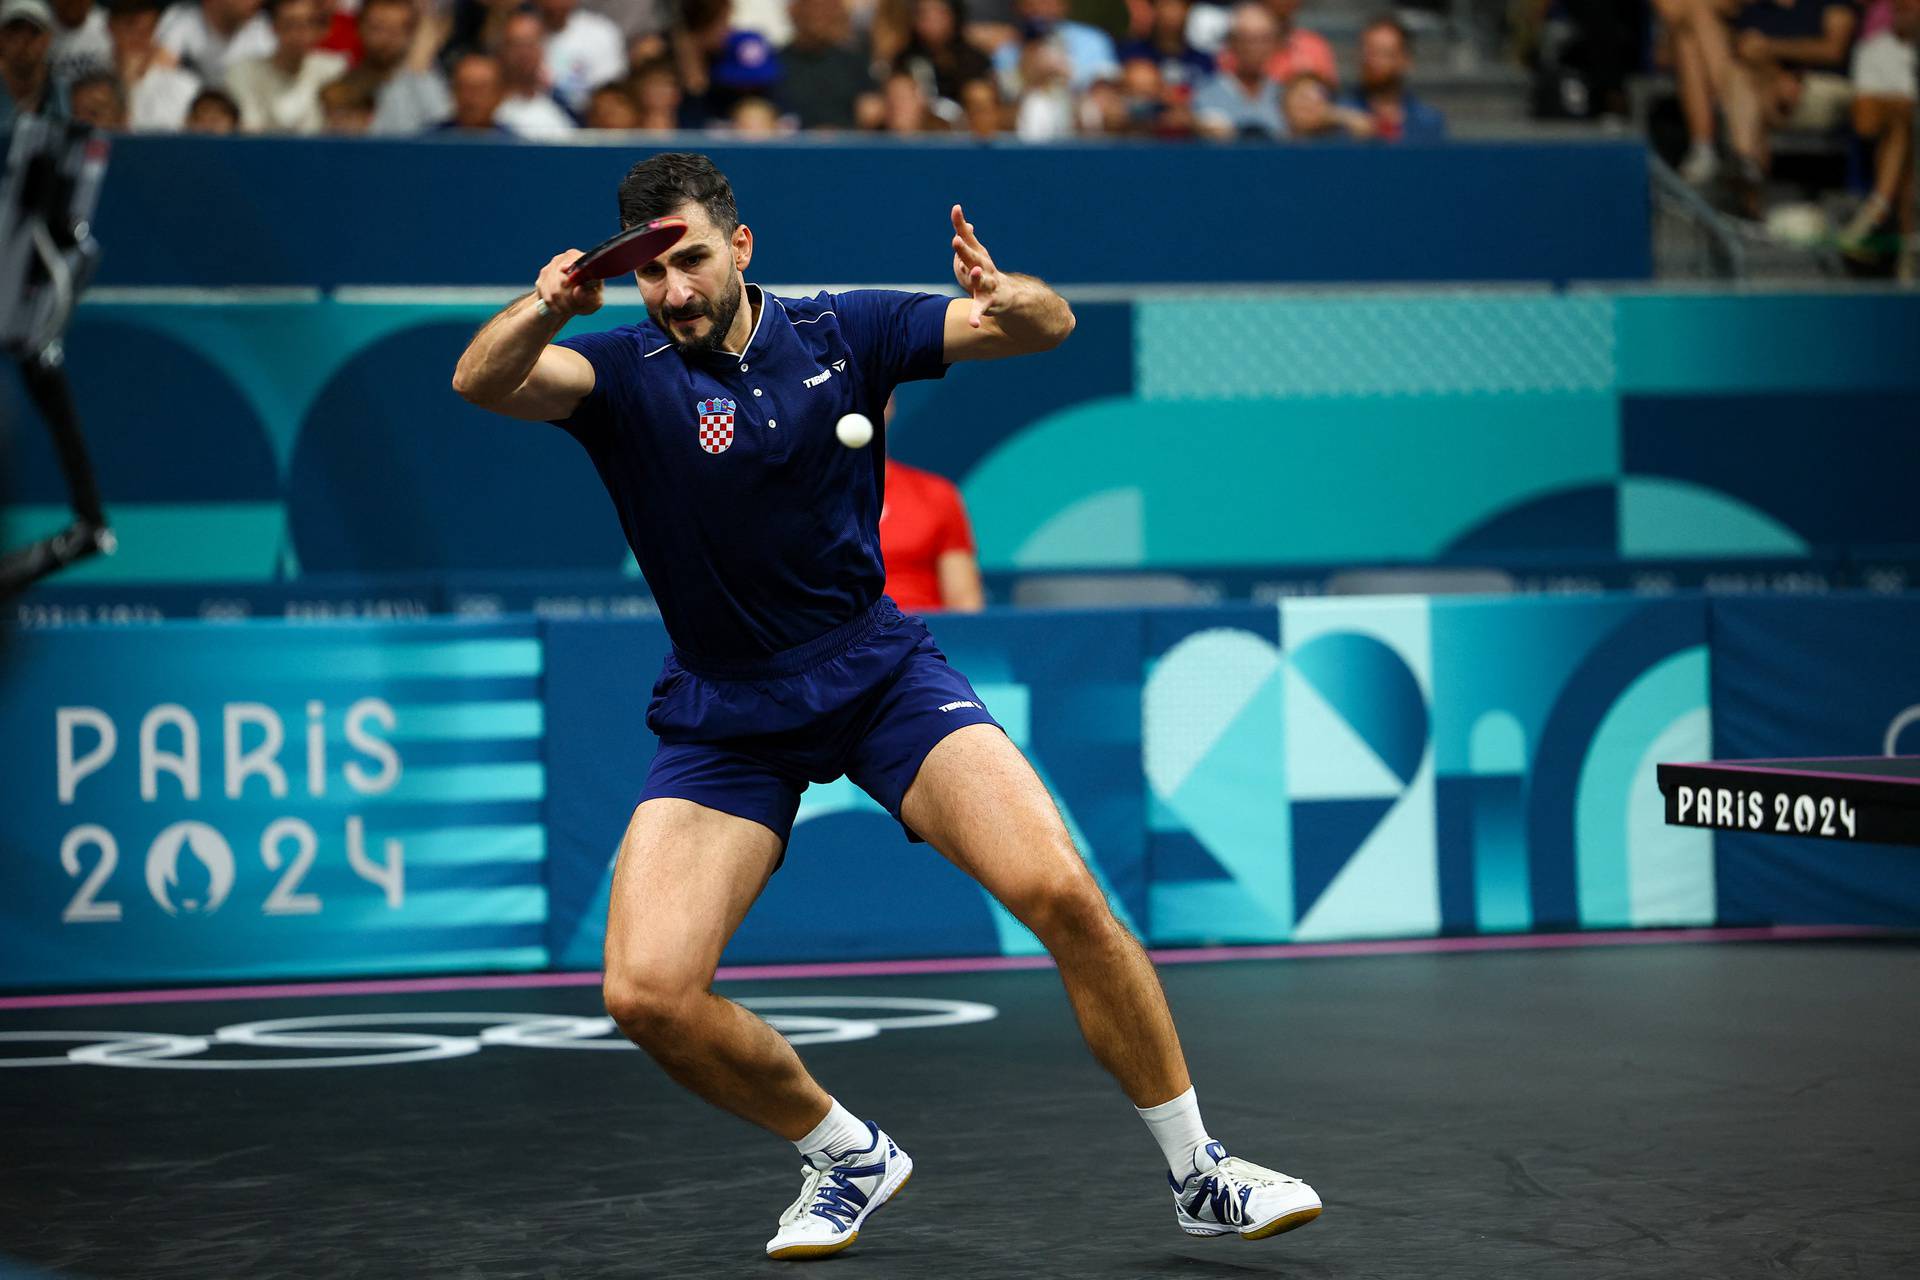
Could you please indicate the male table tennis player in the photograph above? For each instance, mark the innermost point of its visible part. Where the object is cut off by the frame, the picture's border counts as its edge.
(712, 426)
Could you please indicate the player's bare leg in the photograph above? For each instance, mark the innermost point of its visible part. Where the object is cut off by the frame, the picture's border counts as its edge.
(687, 875)
(978, 801)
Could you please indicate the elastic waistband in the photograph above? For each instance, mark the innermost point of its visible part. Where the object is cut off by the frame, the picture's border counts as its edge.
(791, 662)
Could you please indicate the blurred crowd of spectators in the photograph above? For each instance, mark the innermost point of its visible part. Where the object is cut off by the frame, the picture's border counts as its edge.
(1830, 79)
(755, 68)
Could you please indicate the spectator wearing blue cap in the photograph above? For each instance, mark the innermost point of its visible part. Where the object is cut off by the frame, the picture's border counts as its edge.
(720, 64)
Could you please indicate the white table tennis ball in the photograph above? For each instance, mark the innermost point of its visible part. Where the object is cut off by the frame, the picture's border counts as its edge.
(855, 430)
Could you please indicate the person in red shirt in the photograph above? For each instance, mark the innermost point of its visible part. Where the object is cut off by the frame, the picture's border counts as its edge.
(927, 544)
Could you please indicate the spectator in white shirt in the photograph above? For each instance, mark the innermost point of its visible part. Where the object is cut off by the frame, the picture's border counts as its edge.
(80, 41)
(158, 92)
(583, 50)
(209, 36)
(281, 93)
(1045, 109)
(528, 107)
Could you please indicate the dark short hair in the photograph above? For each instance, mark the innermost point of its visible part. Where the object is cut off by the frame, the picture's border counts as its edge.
(215, 97)
(1394, 24)
(660, 184)
(100, 75)
(357, 90)
(662, 66)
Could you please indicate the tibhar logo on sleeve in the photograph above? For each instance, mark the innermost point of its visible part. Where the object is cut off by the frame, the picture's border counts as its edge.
(955, 706)
(839, 366)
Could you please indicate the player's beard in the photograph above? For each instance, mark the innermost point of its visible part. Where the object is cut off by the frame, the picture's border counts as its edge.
(722, 314)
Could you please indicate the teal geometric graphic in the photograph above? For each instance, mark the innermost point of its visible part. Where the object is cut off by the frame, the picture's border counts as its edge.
(1696, 342)
(1671, 518)
(1102, 530)
(1497, 745)
(1214, 745)
(1373, 344)
(1326, 836)
(1627, 871)
(1373, 691)
(1268, 429)
(1314, 480)
(1371, 660)
(1327, 758)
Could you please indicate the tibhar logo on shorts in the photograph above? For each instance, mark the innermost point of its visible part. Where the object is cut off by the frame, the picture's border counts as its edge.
(955, 706)
(716, 423)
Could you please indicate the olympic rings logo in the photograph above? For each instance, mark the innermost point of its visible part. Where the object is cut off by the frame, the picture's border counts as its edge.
(353, 1044)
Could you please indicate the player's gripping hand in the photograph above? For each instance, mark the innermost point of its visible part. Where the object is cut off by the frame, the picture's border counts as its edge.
(563, 297)
(973, 268)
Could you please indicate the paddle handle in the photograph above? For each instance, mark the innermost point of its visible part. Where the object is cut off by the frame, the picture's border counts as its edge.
(540, 307)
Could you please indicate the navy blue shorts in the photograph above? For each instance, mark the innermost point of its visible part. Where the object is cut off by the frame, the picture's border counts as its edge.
(868, 700)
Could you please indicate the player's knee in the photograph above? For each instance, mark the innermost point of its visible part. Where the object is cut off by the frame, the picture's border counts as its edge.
(647, 1009)
(1066, 909)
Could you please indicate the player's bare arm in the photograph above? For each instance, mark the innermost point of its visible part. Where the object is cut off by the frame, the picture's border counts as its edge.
(512, 367)
(1003, 314)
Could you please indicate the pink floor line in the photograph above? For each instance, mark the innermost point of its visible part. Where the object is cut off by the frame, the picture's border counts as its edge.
(959, 964)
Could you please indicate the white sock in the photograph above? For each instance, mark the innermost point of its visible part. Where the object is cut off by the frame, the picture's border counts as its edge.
(835, 1137)
(1701, 150)
(1177, 1127)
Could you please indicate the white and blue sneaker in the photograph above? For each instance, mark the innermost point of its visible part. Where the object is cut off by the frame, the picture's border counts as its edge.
(1225, 1194)
(838, 1195)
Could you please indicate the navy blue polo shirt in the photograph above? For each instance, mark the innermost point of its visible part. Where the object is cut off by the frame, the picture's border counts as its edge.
(756, 529)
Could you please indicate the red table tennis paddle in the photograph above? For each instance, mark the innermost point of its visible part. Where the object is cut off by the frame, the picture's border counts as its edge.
(629, 251)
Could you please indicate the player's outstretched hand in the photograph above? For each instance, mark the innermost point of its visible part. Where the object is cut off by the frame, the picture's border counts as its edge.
(973, 268)
(562, 297)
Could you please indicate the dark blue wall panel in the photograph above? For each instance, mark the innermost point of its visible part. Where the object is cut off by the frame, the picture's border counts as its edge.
(199, 211)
